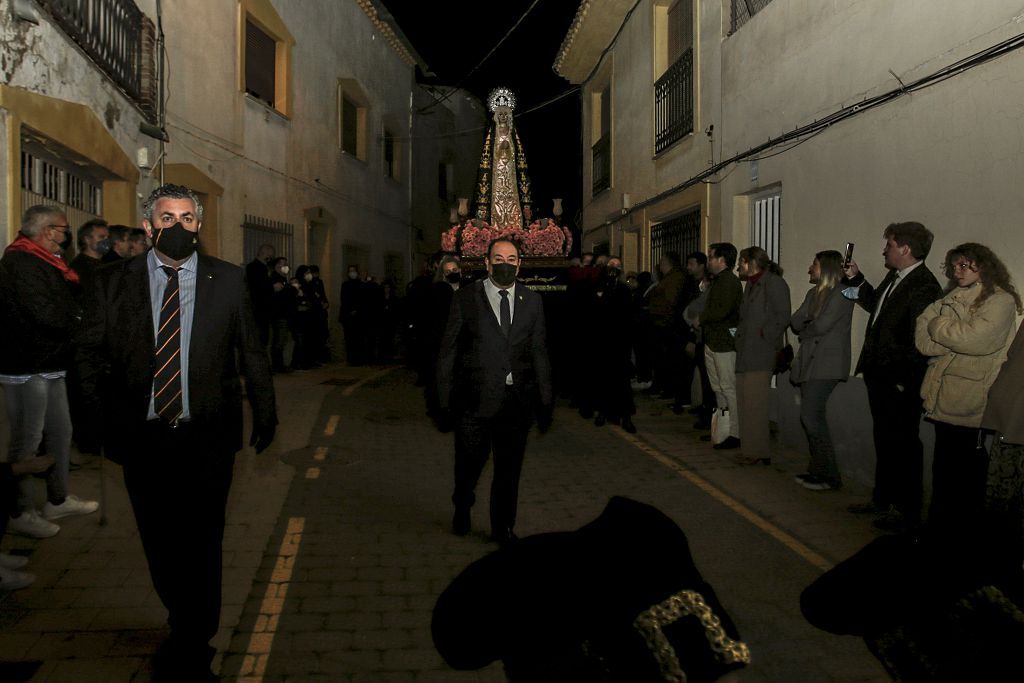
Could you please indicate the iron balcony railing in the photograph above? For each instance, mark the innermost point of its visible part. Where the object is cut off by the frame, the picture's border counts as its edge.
(111, 32)
(743, 10)
(673, 103)
(601, 155)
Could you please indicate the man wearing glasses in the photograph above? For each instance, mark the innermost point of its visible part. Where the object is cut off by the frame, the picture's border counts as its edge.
(38, 311)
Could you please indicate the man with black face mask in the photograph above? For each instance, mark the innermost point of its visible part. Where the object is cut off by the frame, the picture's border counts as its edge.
(157, 363)
(493, 379)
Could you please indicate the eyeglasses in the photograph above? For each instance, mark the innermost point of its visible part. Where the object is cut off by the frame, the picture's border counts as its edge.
(62, 228)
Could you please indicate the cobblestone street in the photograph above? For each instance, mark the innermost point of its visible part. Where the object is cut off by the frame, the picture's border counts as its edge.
(338, 544)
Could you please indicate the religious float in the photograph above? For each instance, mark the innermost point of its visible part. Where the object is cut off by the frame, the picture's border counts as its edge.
(502, 207)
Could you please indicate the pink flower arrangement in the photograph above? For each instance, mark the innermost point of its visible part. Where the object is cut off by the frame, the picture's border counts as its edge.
(542, 238)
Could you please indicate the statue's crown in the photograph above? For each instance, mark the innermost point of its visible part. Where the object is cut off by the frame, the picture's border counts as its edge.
(501, 97)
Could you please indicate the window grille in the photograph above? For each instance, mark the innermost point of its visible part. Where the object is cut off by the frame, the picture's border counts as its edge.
(743, 10)
(257, 231)
(766, 223)
(673, 103)
(601, 158)
(680, 234)
(260, 63)
(60, 183)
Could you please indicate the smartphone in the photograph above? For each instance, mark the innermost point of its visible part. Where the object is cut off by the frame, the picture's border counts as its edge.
(849, 254)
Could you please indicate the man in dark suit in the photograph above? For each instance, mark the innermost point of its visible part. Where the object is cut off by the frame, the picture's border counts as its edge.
(261, 290)
(893, 370)
(157, 359)
(494, 376)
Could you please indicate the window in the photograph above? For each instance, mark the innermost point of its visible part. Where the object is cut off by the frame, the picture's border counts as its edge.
(53, 176)
(260, 55)
(265, 54)
(601, 147)
(673, 91)
(743, 10)
(765, 222)
(352, 118)
(390, 163)
(680, 234)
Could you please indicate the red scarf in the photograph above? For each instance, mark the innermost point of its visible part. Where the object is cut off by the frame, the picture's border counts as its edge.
(23, 243)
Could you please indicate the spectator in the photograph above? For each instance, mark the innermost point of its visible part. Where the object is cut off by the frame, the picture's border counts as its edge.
(447, 281)
(614, 396)
(138, 242)
(38, 314)
(643, 337)
(261, 290)
(11, 579)
(718, 321)
(764, 317)
(319, 334)
(120, 247)
(418, 322)
(281, 312)
(696, 266)
(93, 243)
(893, 369)
(352, 317)
(673, 371)
(965, 335)
(301, 322)
(822, 362)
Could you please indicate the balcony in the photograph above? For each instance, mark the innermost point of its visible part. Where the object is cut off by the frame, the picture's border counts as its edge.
(601, 170)
(673, 103)
(118, 37)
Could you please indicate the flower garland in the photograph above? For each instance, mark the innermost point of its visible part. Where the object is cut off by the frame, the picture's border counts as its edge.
(542, 238)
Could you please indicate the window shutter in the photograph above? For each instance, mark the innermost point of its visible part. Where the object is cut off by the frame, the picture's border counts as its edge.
(260, 52)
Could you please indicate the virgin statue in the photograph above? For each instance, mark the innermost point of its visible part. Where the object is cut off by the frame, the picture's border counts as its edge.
(503, 186)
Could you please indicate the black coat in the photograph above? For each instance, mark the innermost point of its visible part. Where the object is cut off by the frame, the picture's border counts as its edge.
(475, 356)
(38, 315)
(889, 348)
(116, 361)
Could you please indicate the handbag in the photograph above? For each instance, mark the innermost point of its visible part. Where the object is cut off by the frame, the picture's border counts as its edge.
(783, 357)
(720, 425)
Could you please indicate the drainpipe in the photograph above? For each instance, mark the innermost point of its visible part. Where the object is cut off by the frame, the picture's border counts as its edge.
(161, 114)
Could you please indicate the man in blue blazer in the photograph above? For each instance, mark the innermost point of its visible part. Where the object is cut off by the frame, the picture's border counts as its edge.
(494, 378)
(164, 337)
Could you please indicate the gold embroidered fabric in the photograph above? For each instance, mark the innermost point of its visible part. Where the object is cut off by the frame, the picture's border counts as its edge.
(686, 603)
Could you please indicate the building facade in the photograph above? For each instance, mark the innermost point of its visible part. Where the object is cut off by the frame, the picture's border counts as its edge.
(292, 121)
(798, 128)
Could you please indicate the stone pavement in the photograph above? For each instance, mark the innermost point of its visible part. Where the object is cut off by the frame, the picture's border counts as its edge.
(336, 552)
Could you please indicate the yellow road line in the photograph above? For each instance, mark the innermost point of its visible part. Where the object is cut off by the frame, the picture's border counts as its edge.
(725, 499)
(313, 473)
(320, 454)
(369, 378)
(332, 424)
(261, 642)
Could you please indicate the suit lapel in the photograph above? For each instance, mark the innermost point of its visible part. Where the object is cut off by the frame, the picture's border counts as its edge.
(138, 299)
(885, 284)
(519, 316)
(203, 302)
(487, 312)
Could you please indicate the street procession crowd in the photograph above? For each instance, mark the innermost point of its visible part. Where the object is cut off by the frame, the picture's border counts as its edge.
(99, 351)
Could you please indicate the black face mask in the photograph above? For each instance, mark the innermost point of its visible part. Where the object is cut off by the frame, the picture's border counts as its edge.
(454, 277)
(176, 242)
(612, 273)
(503, 274)
(65, 244)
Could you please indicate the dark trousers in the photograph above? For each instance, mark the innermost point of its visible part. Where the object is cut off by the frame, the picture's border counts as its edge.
(673, 369)
(505, 436)
(179, 490)
(959, 469)
(899, 454)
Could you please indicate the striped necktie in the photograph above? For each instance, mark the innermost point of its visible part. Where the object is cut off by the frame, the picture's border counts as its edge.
(167, 380)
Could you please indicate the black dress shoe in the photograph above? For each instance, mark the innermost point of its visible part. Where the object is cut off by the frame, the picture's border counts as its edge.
(461, 522)
(627, 424)
(503, 537)
(729, 443)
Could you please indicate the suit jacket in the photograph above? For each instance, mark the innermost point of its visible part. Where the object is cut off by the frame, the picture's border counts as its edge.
(475, 356)
(889, 348)
(764, 317)
(116, 361)
(722, 312)
(824, 351)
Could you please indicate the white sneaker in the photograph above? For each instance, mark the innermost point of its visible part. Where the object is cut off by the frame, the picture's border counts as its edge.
(12, 580)
(32, 525)
(72, 505)
(12, 561)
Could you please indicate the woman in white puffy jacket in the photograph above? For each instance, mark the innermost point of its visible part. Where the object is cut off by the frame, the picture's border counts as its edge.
(965, 334)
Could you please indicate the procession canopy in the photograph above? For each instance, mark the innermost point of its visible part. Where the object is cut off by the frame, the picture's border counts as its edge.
(503, 185)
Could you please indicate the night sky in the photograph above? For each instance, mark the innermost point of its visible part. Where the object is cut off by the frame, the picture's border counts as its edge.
(452, 36)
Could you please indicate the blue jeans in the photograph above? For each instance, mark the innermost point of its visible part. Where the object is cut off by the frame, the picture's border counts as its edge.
(38, 413)
(814, 419)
